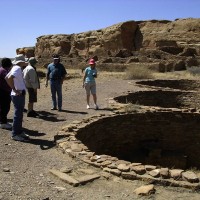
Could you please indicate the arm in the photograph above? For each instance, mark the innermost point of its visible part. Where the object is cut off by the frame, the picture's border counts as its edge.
(64, 73)
(33, 79)
(10, 82)
(47, 77)
(84, 77)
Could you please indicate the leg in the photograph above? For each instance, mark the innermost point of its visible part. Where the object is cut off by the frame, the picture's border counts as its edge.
(93, 91)
(30, 107)
(59, 93)
(87, 89)
(95, 98)
(18, 102)
(88, 99)
(5, 100)
(53, 94)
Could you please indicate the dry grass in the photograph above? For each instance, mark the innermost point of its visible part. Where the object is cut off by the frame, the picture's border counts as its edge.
(177, 75)
(139, 71)
(134, 71)
(130, 108)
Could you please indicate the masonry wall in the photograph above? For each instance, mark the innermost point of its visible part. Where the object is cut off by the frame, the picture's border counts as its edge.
(160, 138)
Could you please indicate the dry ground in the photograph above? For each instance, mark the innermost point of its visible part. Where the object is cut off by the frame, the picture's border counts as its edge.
(28, 164)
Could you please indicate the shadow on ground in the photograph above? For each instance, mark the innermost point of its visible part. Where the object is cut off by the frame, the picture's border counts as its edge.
(47, 116)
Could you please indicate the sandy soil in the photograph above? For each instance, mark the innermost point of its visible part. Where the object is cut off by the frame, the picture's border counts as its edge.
(24, 167)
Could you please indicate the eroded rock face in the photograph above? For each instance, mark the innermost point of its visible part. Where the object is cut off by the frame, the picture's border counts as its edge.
(104, 43)
(140, 41)
(28, 51)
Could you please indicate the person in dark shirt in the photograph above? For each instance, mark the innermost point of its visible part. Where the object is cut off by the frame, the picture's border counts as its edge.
(56, 74)
(5, 90)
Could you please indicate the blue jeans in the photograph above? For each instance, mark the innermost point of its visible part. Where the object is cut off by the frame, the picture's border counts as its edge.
(19, 103)
(56, 88)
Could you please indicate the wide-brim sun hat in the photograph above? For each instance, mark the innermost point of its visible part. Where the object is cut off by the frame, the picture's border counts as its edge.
(19, 59)
(91, 62)
(32, 60)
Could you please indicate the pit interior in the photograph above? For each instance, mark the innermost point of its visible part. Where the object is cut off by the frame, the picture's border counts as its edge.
(162, 138)
(174, 84)
(161, 98)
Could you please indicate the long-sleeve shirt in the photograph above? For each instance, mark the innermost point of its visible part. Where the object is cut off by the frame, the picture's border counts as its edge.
(3, 83)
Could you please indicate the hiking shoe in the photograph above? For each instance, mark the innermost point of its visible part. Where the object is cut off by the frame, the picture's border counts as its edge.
(6, 126)
(32, 114)
(24, 135)
(88, 107)
(35, 113)
(96, 107)
(19, 138)
(53, 108)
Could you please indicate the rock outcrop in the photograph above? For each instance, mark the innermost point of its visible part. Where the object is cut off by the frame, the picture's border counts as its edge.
(132, 41)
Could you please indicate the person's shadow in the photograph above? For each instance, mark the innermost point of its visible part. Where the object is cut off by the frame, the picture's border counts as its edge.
(44, 144)
(74, 112)
(47, 116)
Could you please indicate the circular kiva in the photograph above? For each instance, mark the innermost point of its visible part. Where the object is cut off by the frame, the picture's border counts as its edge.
(162, 146)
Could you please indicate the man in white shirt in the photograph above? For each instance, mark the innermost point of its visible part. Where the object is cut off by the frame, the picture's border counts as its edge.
(15, 80)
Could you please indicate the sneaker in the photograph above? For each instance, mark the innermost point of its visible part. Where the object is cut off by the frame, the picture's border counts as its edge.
(88, 107)
(18, 138)
(96, 107)
(6, 126)
(32, 114)
(53, 108)
(24, 135)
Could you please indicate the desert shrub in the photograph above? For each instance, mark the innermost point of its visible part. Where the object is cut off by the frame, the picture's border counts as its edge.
(129, 108)
(138, 71)
(194, 71)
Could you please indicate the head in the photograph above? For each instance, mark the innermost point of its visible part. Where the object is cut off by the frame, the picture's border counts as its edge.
(92, 63)
(20, 60)
(32, 61)
(6, 63)
(56, 58)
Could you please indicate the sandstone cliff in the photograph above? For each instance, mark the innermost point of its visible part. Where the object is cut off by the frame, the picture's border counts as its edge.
(132, 41)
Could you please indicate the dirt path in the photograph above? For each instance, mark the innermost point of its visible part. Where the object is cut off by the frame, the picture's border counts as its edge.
(24, 167)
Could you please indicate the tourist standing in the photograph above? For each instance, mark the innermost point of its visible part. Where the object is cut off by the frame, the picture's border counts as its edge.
(15, 80)
(32, 84)
(5, 90)
(89, 83)
(56, 74)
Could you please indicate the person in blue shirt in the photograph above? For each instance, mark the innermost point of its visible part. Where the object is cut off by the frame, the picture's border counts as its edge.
(89, 83)
(56, 74)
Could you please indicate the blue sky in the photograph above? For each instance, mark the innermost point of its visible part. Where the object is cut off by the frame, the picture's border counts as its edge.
(22, 21)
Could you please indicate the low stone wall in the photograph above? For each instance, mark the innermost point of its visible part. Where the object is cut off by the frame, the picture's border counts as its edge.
(162, 98)
(173, 84)
(152, 145)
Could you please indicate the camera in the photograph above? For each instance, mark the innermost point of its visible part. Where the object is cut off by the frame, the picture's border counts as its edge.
(94, 75)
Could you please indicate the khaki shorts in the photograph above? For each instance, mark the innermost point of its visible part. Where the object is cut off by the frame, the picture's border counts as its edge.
(90, 87)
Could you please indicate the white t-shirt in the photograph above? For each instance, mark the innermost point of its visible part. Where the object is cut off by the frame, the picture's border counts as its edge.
(19, 84)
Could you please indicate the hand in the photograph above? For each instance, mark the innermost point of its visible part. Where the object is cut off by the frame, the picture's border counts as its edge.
(46, 84)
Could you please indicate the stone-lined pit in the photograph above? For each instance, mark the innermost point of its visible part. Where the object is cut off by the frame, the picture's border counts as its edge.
(174, 84)
(160, 98)
(161, 138)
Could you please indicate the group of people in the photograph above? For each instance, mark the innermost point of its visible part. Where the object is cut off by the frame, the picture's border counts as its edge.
(20, 76)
